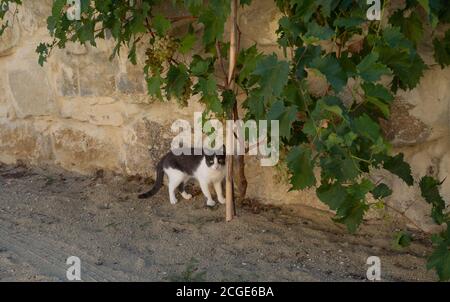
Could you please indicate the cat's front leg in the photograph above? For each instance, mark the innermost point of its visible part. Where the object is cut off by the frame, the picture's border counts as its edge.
(218, 188)
(205, 189)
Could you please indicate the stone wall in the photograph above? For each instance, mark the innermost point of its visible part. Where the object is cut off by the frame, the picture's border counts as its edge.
(85, 113)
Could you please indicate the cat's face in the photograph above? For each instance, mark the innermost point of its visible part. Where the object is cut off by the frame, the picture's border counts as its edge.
(215, 161)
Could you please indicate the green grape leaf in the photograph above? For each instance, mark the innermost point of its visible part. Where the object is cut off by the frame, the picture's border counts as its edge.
(360, 190)
(330, 68)
(301, 167)
(177, 79)
(442, 50)
(381, 191)
(247, 60)
(340, 167)
(440, 258)
(194, 6)
(352, 215)
(316, 32)
(410, 26)
(378, 96)
(366, 127)
(348, 202)
(333, 195)
(304, 8)
(207, 87)
(399, 55)
(228, 100)
(199, 66)
(303, 57)
(285, 115)
(351, 212)
(401, 240)
(154, 86)
(310, 128)
(213, 18)
(396, 165)
(326, 6)
(429, 188)
(187, 43)
(161, 24)
(273, 75)
(86, 33)
(42, 50)
(330, 104)
(348, 22)
(377, 91)
(370, 70)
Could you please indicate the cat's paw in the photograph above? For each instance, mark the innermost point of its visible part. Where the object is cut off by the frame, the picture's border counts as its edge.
(186, 195)
(210, 203)
(221, 199)
(173, 201)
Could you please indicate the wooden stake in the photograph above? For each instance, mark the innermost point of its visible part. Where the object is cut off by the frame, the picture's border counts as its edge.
(230, 213)
(229, 201)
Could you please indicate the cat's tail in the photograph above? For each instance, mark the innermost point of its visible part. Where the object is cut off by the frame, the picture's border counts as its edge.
(158, 182)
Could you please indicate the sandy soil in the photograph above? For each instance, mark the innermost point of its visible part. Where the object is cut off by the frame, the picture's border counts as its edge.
(48, 215)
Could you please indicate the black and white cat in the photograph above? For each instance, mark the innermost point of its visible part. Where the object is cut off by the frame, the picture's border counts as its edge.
(207, 168)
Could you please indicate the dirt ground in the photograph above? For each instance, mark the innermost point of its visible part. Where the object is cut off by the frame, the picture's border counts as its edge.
(47, 215)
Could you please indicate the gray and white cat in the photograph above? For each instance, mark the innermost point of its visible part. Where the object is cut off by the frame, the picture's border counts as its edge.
(207, 168)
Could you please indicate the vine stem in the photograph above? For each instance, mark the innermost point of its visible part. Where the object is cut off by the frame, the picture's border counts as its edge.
(403, 215)
(385, 3)
(230, 209)
(182, 18)
(222, 65)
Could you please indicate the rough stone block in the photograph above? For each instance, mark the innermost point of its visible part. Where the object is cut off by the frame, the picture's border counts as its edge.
(89, 75)
(130, 83)
(33, 15)
(260, 21)
(6, 109)
(145, 142)
(20, 140)
(68, 83)
(404, 129)
(10, 39)
(85, 148)
(32, 94)
(430, 102)
(76, 49)
(99, 111)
